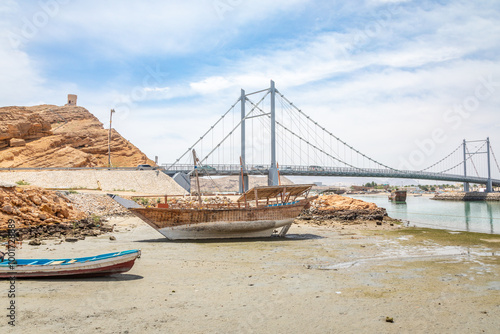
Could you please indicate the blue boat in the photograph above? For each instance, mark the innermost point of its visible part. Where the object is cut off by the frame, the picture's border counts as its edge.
(90, 266)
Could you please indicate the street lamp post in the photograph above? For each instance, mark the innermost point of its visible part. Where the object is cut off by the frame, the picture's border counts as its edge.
(109, 136)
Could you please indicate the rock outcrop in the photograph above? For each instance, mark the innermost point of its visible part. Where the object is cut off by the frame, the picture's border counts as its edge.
(343, 208)
(68, 136)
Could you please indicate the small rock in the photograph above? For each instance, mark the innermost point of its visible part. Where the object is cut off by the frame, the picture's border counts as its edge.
(107, 228)
(69, 239)
(7, 209)
(16, 142)
(35, 242)
(112, 238)
(389, 319)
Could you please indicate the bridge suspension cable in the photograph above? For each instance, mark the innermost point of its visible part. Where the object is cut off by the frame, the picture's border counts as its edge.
(303, 140)
(470, 156)
(206, 133)
(472, 160)
(332, 135)
(446, 157)
(494, 158)
(231, 132)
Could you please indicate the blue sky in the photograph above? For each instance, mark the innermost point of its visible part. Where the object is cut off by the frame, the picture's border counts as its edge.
(380, 74)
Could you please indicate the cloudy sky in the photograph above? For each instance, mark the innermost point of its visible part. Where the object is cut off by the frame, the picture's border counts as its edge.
(402, 81)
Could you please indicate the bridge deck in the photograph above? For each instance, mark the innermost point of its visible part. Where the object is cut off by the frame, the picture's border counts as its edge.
(333, 171)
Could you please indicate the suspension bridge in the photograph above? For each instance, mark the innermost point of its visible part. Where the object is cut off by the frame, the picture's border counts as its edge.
(268, 128)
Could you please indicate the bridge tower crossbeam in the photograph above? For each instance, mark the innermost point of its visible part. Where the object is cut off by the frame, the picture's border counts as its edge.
(467, 156)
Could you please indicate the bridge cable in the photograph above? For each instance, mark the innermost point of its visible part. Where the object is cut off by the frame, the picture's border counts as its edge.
(309, 130)
(234, 128)
(299, 137)
(470, 156)
(473, 165)
(308, 143)
(331, 134)
(494, 158)
(294, 121)
(446, 157)
(202, 137)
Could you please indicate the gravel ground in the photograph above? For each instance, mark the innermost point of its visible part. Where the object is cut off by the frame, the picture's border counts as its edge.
(148, 181)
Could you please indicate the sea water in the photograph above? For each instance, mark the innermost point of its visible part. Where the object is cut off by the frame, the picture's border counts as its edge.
(422, 211)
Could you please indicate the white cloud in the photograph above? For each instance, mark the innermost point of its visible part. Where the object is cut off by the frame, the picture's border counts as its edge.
(382, 85)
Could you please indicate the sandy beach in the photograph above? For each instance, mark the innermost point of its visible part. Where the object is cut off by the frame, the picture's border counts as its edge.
(316, 280)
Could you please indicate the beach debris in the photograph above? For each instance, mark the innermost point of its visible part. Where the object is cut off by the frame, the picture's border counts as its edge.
(389, 319)
(112, 238)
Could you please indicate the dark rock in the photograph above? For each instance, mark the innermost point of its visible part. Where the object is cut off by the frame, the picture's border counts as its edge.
(35, 242)
(112, 238)
(107, 228)
(71, 239)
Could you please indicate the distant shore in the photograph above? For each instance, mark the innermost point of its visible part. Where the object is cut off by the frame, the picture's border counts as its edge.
(470, 196)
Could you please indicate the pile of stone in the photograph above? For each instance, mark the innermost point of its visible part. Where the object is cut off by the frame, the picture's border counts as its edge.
(40, 213)
(33, 206)
(338, 207)
(97, 205)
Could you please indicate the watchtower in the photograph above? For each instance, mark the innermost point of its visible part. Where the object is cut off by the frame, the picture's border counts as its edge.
(71, 100)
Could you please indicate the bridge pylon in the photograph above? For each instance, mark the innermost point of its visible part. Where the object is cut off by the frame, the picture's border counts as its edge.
(273, 177)
(244, 176)
(466, 184)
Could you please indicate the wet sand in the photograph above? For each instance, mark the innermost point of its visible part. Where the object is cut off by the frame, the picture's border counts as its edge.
(317, 280)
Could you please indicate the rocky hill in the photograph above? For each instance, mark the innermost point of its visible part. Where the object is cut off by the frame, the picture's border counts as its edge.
(67, 136)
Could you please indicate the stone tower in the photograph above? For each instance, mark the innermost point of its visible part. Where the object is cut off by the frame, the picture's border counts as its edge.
(71, 100)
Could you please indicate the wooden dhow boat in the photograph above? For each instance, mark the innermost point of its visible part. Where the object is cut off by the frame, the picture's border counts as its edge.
(398, 196)
(92, 266)
(260, 212)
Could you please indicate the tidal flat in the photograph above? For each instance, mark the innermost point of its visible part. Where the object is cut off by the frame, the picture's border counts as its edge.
(319, 279)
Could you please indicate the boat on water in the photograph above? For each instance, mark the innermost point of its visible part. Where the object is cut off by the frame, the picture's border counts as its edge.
(260, 212)
(92, 266)
(398, 196)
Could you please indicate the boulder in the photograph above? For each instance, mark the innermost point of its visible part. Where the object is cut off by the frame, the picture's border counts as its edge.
(17, 142)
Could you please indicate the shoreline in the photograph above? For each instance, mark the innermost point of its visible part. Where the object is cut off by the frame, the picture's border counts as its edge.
(467, 197)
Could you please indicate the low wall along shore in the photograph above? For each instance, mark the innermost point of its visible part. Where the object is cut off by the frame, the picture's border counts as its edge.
(470, 196)
(141, 181)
